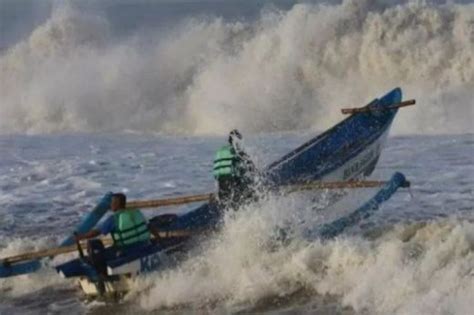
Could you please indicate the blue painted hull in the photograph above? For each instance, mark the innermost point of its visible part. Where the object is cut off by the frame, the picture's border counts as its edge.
(152, 257)
(328, 152)
(86, 225)
(348, 150)
(338, 226)
(19, 269)
(91, 219)
(133, 260)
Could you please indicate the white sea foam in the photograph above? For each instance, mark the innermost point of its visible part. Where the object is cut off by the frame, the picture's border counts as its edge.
(410, 269)
(285, 70)
(372, 267)
(25, 284)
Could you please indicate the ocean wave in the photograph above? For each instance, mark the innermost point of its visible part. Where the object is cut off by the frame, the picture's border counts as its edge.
(285, 70)
(26, 284)
(406, 269)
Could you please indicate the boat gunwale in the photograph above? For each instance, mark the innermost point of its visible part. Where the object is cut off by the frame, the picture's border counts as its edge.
(333, 130)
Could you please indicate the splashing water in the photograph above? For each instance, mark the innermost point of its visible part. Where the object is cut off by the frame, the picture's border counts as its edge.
(403, 255)
(282, 70)
(406, 270)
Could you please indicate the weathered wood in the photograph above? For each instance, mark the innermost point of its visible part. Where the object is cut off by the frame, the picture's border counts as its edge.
(168, 202)
(107, 241)
(335, 185)
(370, 108)
(206, 197)
(182, 200)
(50, 252)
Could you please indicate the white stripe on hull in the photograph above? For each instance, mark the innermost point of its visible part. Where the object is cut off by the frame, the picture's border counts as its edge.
(357, 165)
(141, 265)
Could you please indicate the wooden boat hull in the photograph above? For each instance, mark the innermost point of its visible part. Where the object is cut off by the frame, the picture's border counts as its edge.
(113, 275)
(348, 150)
(110, 290)
(115, 286)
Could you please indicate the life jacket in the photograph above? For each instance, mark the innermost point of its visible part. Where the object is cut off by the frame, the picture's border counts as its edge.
(130, 228)
(225, 162)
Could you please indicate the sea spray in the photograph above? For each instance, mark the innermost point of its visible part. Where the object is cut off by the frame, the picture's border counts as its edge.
(249, 260)
(284, 70)
(26, 284)
(439, 167)
(407, 269)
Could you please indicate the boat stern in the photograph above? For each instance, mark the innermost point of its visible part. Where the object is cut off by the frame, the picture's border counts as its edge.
(105, 289)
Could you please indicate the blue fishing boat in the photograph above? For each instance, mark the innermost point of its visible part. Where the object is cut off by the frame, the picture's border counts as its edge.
(112, 278)
(347, 151)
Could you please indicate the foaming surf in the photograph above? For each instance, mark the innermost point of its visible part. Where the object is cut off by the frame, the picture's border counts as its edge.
(30, 283)
(404, 269)
(281, 70)
(284, 69)
(250, 264)
(263, 254)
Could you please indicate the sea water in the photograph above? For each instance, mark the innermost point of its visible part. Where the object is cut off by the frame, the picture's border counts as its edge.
(135, 97)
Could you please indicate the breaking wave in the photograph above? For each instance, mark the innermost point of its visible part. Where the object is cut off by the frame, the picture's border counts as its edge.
(27, 284)
(409, 269)
(284, 70)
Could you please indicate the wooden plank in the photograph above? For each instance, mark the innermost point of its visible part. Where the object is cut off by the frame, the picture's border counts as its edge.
(369, 108)
(182, 200)
(294, 187)
(335, 185)
(107, 241)
(50, 252)
(168, 202)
